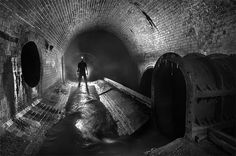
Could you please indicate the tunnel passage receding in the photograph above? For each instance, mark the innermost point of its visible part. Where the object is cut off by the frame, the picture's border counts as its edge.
(30, 63)
(106, 55)
(169, 107)
(145, 83)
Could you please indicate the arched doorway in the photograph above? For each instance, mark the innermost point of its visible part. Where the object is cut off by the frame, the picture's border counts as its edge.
(30, 63)
(169, 98)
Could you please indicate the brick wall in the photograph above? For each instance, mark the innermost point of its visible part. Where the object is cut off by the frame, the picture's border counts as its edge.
(8, 33)
(149, 28)
(15, 94)
(186, 26)
(52, 68)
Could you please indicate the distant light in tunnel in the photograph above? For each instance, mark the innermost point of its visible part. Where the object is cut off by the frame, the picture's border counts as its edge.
(106, 55)
(90, 69)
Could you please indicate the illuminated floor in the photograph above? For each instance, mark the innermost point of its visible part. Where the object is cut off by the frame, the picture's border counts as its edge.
(108, 121)
(104, 122)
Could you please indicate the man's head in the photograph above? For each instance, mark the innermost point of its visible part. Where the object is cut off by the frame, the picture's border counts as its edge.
(82, 58)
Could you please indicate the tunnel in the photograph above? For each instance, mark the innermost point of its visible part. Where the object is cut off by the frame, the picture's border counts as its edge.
(30, 63)
(120, 77)
(146, 80)
(105, 54)
(169, 99)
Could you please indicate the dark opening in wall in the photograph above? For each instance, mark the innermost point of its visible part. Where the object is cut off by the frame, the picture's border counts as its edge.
(106, 54)
(169, 96)
(146, 80)
(30, 63)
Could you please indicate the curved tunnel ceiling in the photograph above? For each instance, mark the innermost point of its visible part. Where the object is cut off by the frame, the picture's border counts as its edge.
(59, 20)
(149, 27)
(106, 56)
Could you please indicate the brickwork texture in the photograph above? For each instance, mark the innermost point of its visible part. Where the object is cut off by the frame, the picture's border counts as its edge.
(149, 28)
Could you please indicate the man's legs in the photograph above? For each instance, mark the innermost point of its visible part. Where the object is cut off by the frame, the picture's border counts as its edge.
(85, 80)
(80, 77)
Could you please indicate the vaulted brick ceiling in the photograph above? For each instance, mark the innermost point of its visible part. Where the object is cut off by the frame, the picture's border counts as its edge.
(148, 27)
(59, 20)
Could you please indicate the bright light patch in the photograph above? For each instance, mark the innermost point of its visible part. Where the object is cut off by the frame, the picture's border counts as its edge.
(79, 125)
(89, 72)
(71, 83)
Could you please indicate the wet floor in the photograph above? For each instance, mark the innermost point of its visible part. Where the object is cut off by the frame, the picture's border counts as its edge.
(89, 129)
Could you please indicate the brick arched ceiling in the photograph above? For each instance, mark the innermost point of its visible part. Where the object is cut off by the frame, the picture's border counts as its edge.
(149, 27)
(58, 20)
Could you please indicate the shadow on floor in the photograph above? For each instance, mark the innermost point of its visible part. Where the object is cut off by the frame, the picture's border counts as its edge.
(89, 129)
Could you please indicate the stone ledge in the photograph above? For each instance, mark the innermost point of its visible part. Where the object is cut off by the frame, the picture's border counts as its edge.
(141, 98)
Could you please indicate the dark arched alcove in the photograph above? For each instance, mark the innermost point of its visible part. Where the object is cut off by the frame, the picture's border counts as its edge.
(30, 63)
(106, 55)
(169, 99)
(146, 80)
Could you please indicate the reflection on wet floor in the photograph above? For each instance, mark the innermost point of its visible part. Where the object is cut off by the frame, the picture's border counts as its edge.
(93, 128)
(79, 96)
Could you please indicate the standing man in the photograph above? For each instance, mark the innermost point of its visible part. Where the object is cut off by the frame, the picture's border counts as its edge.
(82, 72)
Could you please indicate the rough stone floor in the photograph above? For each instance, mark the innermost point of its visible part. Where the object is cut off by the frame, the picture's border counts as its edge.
(70, 121)
(25, 133)
(104, 122)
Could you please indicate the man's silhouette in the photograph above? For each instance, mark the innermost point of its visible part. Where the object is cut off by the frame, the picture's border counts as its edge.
(82, 72)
